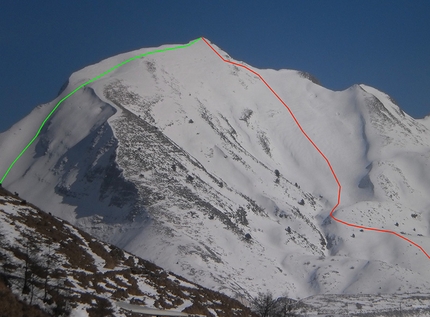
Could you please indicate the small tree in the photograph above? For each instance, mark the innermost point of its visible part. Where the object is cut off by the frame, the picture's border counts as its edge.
(31, 249)
(264, 305)
(50, 263)
(277, 174)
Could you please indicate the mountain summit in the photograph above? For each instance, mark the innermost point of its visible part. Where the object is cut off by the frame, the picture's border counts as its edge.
(194, 164)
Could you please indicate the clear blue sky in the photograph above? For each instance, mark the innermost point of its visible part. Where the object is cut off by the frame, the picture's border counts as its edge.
(385, 44)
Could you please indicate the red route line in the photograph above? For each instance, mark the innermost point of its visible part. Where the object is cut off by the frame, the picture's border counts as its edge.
(339, 186)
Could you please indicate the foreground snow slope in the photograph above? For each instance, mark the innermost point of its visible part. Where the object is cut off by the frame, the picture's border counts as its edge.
(194, 164)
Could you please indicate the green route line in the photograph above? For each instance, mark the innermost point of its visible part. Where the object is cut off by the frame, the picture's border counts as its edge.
(83, 85)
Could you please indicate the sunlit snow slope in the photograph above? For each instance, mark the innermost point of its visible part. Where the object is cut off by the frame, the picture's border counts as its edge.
(194, 164)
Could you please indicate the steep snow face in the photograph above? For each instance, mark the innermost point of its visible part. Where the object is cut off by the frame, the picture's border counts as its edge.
(193, 163)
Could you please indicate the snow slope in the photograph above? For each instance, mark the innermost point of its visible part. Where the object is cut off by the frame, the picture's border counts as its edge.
(175, 157)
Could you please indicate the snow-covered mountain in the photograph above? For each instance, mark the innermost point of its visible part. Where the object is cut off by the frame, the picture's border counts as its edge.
(193, 163)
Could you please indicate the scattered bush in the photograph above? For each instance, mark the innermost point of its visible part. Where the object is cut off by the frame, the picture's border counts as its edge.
(241, 216)
(102, 308)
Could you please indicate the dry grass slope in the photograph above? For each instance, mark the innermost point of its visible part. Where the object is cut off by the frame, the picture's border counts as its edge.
(64, 266)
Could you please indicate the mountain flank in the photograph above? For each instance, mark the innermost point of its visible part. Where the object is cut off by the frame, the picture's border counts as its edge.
(50, 268)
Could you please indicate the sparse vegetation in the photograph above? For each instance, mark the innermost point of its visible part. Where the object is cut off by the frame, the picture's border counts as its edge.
(58, 271)
(264, 142)
(246, 115)
(241, 216)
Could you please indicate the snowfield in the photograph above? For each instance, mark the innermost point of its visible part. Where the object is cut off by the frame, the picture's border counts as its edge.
(194, 164)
